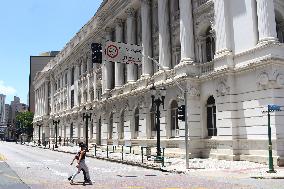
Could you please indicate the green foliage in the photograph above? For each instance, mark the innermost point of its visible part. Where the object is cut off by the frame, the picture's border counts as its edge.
(24, 122)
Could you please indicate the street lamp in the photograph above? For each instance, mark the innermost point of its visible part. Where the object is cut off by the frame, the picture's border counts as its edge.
(270, 108)
(157, 101)
(86, 117)
(39, 125)
(56, 123)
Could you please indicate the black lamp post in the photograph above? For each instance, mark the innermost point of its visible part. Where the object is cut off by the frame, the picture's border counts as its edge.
(56, 123)
(157, 101)
(39, 126)
(86, 117)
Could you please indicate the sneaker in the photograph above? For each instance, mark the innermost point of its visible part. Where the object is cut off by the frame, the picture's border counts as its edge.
(69, 178)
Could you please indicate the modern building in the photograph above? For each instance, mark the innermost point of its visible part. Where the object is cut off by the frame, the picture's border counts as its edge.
(2, 109)
(37, 63)
(227, 55)
(14, 109)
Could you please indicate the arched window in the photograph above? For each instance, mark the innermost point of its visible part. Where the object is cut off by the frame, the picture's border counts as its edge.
(206, 46)
(174, 119)
(210, 45)
(110, 126)
(280, 30)
(153, 122)
(121, 126)
(211, 117)
(136, 122)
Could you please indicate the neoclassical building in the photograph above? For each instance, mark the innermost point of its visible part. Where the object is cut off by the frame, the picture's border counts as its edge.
(228, 55)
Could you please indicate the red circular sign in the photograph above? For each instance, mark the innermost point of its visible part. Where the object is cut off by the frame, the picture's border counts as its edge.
(112, 51)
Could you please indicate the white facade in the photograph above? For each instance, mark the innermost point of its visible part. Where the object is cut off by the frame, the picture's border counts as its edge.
(2, 109)
(228, 54)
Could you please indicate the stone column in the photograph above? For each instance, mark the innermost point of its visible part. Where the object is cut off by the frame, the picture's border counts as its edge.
(119, 75)
(266, 21)
(147, 65)
(76, 90)
(69, 87)
(107, 67)
(223, 44)
(164, 34)
(88, 79)
(95, 84)
(131, 39)
(51, 95)
(46, 97)
(36, 104)
(186, 31)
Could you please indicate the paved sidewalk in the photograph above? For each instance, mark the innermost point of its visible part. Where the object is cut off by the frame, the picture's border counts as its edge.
(9, 179)
(200, 167)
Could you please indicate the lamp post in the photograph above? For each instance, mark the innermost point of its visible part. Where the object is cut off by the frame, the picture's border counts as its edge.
(160, 100)
(270, 108)
(184, 92)
(39, 125)
(86, 117)
(56, 123)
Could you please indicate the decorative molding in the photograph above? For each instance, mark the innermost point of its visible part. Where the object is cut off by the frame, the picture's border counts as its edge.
(222, 87)
(263, 79)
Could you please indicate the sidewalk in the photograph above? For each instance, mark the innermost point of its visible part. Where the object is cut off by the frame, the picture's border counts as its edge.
(9, 179)
(197, 166)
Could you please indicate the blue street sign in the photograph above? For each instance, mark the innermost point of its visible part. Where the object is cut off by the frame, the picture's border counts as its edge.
(273, 107)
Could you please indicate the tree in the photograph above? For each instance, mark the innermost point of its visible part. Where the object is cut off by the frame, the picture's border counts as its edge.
(24, 124)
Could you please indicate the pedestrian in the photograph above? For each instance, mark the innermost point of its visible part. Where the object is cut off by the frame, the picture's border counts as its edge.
(81, 165)
(59, 140)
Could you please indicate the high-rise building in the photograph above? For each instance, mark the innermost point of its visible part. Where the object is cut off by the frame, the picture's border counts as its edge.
(37, 63)
(2, 109)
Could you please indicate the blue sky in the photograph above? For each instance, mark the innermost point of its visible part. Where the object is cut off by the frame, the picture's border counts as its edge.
(30, 27)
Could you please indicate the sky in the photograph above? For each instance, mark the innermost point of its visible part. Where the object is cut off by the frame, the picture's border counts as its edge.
(30, 27)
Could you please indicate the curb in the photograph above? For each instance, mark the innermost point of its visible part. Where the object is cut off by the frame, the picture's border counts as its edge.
(116, 161)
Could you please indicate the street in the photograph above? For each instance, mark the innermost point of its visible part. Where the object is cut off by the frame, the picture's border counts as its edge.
(42, 169)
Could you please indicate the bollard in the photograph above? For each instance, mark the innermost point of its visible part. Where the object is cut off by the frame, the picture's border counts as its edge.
(95, 150)
(67, 142)
(63, 141)
(129, 149)
(122, 153)
(163, 160)
(53, 147)
(107, 151)
(142, 154)
(49, 144)
(112, 149)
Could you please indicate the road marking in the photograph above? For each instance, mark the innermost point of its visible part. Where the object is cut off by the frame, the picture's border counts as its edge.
(2, 157)
(9, 176)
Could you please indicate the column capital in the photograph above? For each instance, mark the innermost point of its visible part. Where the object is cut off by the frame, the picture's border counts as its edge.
(118, 22)
(130, 12)
(148, 2)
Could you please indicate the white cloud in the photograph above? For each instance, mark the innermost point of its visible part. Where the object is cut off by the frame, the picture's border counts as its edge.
(6, 90)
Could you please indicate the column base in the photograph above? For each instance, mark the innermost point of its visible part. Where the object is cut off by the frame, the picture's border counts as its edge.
(268, 40)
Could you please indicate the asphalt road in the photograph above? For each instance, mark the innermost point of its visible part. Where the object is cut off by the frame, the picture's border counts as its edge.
(36, 168)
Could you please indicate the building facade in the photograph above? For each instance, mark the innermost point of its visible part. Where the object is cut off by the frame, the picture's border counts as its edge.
(228, 55)
(37, 63)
